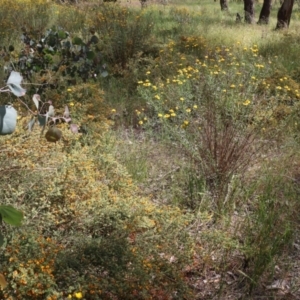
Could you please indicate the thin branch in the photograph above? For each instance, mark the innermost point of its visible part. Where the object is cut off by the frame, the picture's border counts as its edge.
(26, 106)
(29, 83)
(22, 169)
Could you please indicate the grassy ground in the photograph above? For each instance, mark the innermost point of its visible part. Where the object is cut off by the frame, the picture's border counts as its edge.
(184, 183)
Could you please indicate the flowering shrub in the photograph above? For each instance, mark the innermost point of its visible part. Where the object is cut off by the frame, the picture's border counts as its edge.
(95, 236)
(29, 13)
(28, 265)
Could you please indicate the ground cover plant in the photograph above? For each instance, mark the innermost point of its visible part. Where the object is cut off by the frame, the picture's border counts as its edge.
(180, 179)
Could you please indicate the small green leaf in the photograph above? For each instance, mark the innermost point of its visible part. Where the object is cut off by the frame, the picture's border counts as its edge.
(10, 215)
(104, 73)
(1, 240)
(90, 55)
(77, 41)
(94, 40)
(61, 34)
(51, 41)
(145, 222)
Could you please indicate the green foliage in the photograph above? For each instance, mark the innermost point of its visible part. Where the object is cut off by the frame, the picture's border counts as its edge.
(56, 52)
(222, 134)
(284, 47)
(10, 215)
(208, 112)
(123, 33)
(29, 13)
(88, 211)
(269, 229)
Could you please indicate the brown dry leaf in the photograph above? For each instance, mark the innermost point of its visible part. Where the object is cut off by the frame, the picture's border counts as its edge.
(278, 285)
(3, 282)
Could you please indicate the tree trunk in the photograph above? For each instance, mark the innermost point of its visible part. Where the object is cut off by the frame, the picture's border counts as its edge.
(249, 11)
(224, 4)
(284, 14)
(265, 12)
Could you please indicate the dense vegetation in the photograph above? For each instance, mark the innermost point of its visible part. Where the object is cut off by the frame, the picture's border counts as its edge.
(183, 181)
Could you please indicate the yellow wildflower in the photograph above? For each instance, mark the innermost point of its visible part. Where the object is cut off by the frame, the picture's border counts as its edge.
(78, 295)
(247, 102)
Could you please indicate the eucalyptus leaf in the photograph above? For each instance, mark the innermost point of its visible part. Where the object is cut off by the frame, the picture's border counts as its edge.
(46, 121)
(14, 84)
(66, 112)
(53, 135)
(51, 112)
(104, 73)
(8, 119)
(74, 128)
(31, 124)
(42, 120)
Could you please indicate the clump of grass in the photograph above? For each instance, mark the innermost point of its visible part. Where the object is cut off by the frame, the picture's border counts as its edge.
(269, 228)
(123, 32)
(33, 15)
(222, 151)
(284, 46)
(133, 152)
